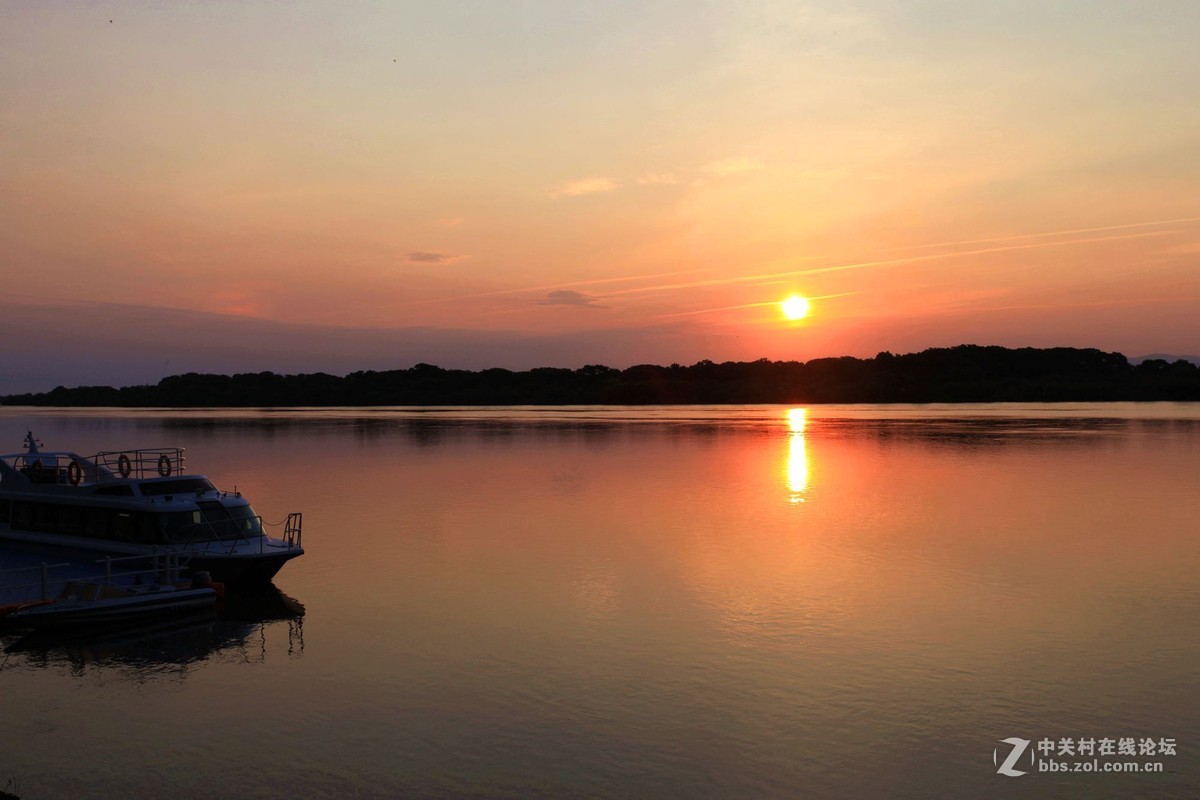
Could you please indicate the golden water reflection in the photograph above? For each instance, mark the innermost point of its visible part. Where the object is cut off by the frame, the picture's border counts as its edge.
(797, 461)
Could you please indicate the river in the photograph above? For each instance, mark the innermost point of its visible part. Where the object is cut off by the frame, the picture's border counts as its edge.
(662, 602)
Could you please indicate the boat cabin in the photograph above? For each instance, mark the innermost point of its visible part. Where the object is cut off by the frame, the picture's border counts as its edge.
(135, 496)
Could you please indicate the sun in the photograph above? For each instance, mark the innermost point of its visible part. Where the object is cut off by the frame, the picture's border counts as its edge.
(795, 307)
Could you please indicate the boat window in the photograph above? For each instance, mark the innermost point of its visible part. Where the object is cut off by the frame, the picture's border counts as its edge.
(183, 526)
(212, 521)
(22, 516)
(47, 518)
(177, 486)
(95, 523)
(217, 518)
(124, 528)
(245, 518)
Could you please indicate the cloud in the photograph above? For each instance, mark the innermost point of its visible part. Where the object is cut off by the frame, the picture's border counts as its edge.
(423, 257)
(723, 168)
(568, 297)
(450, 222)
(738, 165)
(585, 186)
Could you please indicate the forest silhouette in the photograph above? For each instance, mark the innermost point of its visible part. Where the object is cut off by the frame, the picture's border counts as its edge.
(961, 374)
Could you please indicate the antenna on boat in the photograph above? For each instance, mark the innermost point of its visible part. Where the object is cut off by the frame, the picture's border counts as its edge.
(31, 443)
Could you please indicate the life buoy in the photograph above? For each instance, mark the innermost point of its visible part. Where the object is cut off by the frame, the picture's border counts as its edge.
(123, 465)
(164, 465)
(74, 472)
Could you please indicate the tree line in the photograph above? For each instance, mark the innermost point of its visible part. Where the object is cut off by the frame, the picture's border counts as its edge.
(962, 374)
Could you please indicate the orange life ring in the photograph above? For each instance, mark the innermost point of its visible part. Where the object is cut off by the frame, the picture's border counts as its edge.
(164, 466)
(123, 465)
(74, 472)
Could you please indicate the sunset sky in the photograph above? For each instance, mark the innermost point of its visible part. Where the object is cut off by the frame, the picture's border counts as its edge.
(302, 186)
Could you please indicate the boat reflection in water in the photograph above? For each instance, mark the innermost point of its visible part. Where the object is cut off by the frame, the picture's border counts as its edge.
(237, 631)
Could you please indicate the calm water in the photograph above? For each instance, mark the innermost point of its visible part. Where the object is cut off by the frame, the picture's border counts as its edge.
(842, 601)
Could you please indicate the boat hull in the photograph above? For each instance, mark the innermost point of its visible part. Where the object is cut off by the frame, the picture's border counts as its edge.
(248, 565)
(242, 570)
(113, 611)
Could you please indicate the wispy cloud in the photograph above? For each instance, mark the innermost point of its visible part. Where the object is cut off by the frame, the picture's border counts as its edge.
(425, 257)
(721, 168)
(449, 222)
(585, 186)
(568, 297)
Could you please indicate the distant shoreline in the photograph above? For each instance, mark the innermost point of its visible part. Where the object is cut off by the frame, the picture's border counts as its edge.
(961, 374)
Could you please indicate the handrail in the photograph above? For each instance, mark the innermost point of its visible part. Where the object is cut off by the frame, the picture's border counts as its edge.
(163, 572)
(61, 467)
(36, 566)
(292, 533)
(149, 462)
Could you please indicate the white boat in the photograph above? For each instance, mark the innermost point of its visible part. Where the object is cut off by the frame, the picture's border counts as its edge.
(95, 604)
(137, 503)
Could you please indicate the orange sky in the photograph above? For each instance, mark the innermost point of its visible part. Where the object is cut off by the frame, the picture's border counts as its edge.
(306, 186)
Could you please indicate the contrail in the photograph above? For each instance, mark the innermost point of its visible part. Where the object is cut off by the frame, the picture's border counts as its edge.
(881, 263)
(1020, 236)
(985, 309)
(833, 268)
(901, 260)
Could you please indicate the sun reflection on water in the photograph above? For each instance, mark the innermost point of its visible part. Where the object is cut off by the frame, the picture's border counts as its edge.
(797, 461)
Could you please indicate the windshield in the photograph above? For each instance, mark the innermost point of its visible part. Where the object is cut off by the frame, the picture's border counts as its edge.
(212, 521)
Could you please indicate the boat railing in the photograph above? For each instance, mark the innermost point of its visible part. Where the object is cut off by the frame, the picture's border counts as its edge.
(46, 580)
(55, 468)
(292, 533)
(62, 468)
(35, 577)
(165, 567)
(152, 462)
